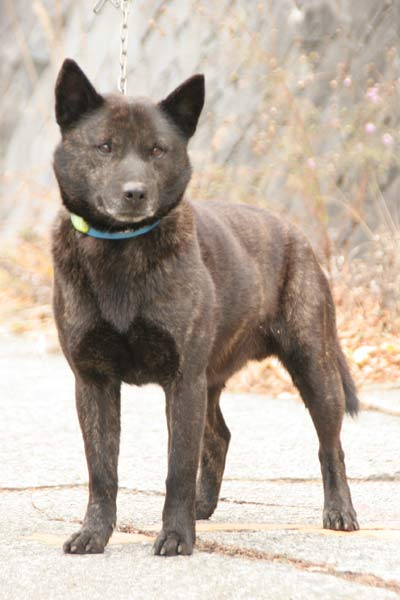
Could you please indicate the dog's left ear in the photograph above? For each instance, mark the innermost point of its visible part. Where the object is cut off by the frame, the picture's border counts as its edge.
(184, 104)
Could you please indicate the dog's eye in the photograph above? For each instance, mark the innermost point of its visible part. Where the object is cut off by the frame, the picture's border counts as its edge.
(157, 152)
(104, 148)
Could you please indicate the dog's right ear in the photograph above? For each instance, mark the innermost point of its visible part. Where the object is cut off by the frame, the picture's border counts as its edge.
(75, 95)
(185, 104)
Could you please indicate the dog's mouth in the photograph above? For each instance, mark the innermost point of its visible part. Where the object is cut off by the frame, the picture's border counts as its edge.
(122, 212)
(129, 217)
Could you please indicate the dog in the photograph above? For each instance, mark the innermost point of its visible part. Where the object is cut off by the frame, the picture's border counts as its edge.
(150, 288)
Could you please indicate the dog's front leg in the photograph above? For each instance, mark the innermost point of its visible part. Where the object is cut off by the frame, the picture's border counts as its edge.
(186, 406)
(99, 416)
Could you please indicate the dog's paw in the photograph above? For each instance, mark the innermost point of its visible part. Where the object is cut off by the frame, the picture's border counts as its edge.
(340, 520)
(172, 544)
(85, 541)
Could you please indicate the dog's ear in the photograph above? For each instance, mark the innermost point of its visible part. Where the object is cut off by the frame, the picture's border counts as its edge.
(75, 95)
(184, 104)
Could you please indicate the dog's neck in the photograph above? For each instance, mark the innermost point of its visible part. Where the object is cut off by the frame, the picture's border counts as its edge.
(83, 227)
(175, 233)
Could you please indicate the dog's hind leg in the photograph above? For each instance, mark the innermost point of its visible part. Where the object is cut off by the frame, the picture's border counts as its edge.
(305, 339)
(316, 374)
(215, 446)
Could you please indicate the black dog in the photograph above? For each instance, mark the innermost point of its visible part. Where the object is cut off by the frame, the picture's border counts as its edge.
(184, 296)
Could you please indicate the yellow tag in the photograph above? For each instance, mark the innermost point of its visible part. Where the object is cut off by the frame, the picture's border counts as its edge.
(79, 223)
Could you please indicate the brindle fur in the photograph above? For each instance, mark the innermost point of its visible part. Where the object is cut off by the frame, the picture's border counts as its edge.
(184, 306)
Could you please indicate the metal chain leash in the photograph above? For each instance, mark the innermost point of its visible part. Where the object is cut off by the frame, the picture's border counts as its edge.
(123, 55)
(124, 5)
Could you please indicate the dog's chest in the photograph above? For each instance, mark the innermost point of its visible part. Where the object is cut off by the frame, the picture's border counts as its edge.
(146, 353)
(117, 296)
(128, 339)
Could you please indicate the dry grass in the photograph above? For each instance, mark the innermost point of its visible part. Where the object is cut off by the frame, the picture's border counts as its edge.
(25, 286)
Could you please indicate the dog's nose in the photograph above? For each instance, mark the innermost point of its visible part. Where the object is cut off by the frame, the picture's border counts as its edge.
(134, 190)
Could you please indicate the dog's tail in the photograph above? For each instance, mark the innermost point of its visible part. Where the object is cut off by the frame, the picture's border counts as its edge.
(350, 394)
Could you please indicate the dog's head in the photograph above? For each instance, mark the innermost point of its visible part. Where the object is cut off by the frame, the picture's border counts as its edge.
(122, 161)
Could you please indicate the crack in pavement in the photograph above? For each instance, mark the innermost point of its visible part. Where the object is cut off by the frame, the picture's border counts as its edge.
(135, 534)
(128, 534)
(361, 578)
(71, 486)
(44, 488)
(234, 551)
(135, 491)
(206, 526)
(156, 493)
(384, 477)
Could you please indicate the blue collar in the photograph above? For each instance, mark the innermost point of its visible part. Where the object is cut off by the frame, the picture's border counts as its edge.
(83, 227)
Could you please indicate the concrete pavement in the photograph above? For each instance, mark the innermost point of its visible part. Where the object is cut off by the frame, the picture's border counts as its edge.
(265, 539)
